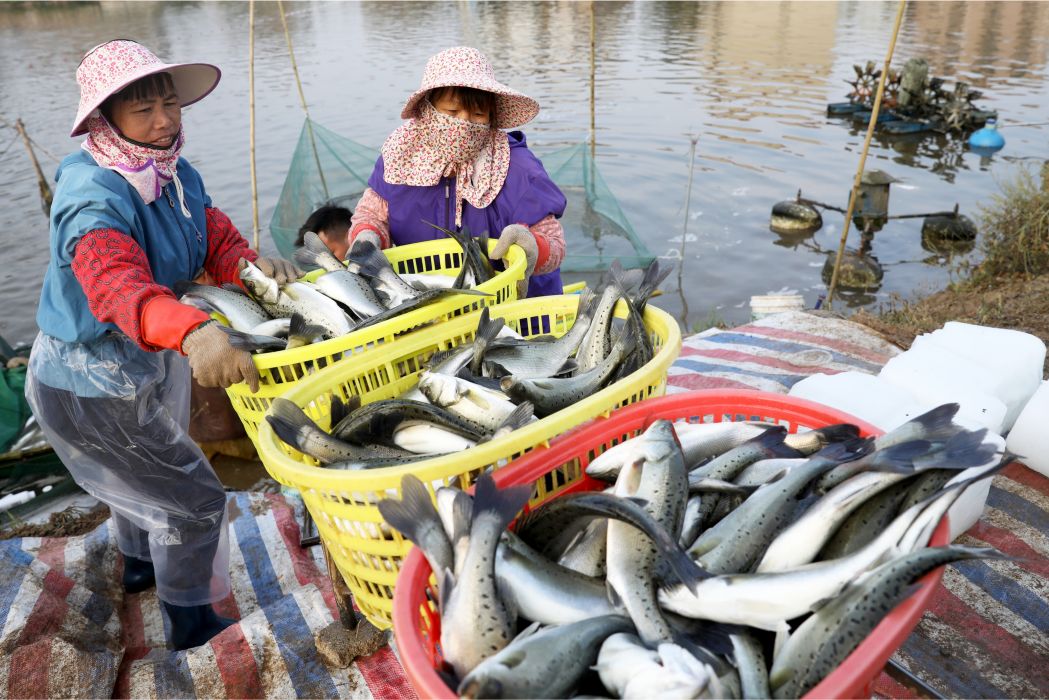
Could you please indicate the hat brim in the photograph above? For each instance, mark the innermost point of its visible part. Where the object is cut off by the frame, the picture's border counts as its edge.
(193, 82)
(512, 108)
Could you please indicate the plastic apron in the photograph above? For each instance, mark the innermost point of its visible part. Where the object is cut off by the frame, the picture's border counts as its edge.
(118, 417)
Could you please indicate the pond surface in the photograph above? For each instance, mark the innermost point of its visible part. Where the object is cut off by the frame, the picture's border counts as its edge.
(750, 79)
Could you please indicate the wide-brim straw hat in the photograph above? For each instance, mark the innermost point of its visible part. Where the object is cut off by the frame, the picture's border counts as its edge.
(110, 67)
(463, 66)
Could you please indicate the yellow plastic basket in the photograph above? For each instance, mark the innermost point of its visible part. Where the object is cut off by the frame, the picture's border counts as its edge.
(282, 370)
(342, 503)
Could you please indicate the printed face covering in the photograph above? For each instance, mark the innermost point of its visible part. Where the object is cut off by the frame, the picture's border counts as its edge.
(147, 169)
(434, 145)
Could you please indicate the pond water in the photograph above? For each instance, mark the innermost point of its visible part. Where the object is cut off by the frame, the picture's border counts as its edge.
(750, 79)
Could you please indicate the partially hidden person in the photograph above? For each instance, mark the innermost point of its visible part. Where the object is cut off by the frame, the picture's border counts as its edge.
(332, 223)
(109, 373)
(452, 164)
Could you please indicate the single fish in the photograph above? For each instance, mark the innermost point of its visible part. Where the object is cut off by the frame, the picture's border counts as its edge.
(596, 343)
(474, 403)
(242, 312)
(835, 629)
(660, 480)
(295, 297)
(293, 426)
(426, 438)
(415, 517)
(377, 421)
(476, 264)
(864, 524)
(386, 282)
(587, 554)
(749, 657)
(534, 359)
(542, 663)
(552, 394)
(476, 621)
(545, 592)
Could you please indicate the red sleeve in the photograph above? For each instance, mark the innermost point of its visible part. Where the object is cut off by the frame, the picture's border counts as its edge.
(114, 273)
(225, 247)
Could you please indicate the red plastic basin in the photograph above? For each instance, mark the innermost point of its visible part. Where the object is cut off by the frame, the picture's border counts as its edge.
(560, 468)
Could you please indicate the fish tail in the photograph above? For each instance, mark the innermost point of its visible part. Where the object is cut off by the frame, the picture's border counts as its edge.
(838, 433)
(185, 287)
(502, 504)
(519, 417)
(302, 331)
(370, 258)
(654, 276)
(899, 459)
(938, 423)
(287, 420)
(966, 449)
(847, 450)
(413, 512)
(586, 302)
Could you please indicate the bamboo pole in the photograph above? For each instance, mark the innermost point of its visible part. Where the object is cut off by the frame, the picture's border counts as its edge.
(46, 196)
(863, 156)
(251, 122)
(302, 98)
(593, 71)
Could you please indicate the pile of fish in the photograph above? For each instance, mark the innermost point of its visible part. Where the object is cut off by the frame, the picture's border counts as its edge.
(724, 559)
(267, 316)
(484, 389)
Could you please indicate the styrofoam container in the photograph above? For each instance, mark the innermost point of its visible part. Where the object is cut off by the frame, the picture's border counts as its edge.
(768, 304)
(865, 396)
(1011, 360)
(1029, 438)
(934, 375)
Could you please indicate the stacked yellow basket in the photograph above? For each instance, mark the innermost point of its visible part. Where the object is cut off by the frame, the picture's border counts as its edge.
(343, 503)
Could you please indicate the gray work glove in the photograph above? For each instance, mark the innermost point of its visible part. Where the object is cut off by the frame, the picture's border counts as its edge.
(367, 235)
(214, 361)
(520, 235)
(279, 269)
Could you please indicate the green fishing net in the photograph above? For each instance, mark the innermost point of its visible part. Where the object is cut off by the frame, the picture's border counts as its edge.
(596, 229)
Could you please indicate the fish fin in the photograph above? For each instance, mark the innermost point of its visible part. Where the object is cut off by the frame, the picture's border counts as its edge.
(339, 409)
(439, 356)
(370, 258)
(847, 450)
(704, 652)
(301, 329)
(462, 515)
(414, 510)
(487, 330)
(519, 417)
(782, 637)
(964, 450)
(570, 367)
(503, 504)
(586, 302)
(613, 596)
(287, 419)
(938, 423)
(899, 459)
(771, 438)
(183, 287)
(838, 432)
(654, 276)
(494, 369)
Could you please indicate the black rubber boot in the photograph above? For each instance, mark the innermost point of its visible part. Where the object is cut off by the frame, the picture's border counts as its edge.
(194, 625)
(138, 575)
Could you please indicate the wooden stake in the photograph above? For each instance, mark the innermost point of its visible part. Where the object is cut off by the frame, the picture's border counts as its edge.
(302, 98)
(863, 156)
(593, 71)
(251, 122)
(46, 195)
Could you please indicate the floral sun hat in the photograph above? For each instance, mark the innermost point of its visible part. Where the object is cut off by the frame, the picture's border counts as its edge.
(110, 67)
(463, 66)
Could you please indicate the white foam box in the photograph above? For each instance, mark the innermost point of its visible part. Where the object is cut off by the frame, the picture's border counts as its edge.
(865, 396)
(1029, 438)
(934, 376)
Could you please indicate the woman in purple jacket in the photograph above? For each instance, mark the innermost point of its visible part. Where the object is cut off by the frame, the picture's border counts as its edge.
(453, 165)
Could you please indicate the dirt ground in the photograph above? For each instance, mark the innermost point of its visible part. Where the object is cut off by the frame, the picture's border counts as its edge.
(1017, 303)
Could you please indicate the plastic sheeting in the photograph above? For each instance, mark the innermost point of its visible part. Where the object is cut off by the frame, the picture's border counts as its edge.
(118, 417)
(68, 630)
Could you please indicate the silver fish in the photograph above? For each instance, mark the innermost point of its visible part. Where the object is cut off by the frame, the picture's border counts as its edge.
(476, 620)
(750, 662)
(542, 663)
(659, 479)
(295, 297)
(830, 634)
(531, 358)
(545, 592)
(597, 342)
(482, 406)
(424, 437)
(242, 312)
(293, 426)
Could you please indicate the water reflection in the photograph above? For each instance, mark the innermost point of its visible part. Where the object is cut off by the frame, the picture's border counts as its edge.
(752, 79)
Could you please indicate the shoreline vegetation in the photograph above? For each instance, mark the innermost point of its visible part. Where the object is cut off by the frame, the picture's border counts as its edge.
(1008, 288)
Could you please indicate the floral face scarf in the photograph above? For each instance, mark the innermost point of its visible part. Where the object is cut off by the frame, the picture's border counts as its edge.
(434, 145)
(147, 169)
